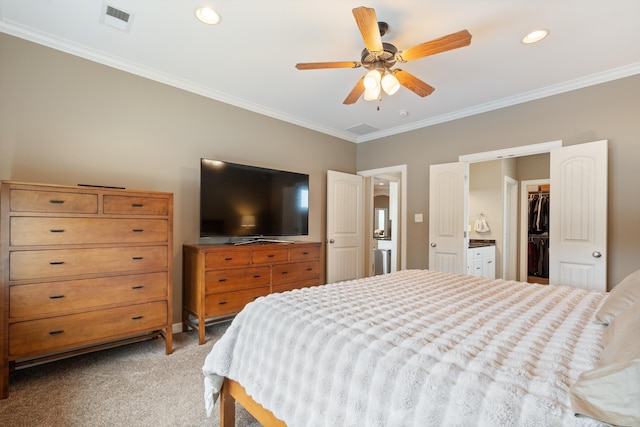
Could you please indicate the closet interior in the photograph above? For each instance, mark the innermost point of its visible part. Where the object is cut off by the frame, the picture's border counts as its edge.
(538, 234)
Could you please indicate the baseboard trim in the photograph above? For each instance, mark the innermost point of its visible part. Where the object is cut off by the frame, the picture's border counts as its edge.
(176, 328)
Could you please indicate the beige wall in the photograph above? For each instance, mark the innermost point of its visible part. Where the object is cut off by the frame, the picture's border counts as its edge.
(66, 120)
(605, 111)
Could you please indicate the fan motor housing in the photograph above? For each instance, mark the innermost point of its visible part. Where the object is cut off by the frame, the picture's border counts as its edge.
(383, 59)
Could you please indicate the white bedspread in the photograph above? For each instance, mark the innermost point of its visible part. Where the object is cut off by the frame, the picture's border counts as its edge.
(412, 348)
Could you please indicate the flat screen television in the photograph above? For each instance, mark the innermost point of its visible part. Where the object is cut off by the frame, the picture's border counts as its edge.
(242, 201)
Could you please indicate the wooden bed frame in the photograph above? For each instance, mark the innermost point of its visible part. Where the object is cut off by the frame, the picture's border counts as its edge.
(233, 392)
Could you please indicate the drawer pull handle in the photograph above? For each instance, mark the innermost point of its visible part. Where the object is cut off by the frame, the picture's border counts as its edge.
(56, 202)
(137, 287)
(228, 259)
(285, 272)
(137, 258)
(222, 302)
(305, 253)
(58, 332)
(57, 231)
(137, 317)
(137, 230)
(137, 205)
(56, 296)
(222, 280)
(56, 262)
(256, 276)
(309, 268)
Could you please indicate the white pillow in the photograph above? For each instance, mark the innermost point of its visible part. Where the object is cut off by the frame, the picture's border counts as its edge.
(620, 297)
(611, 391)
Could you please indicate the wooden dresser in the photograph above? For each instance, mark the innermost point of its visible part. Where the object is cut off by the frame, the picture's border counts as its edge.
(219, 280)
(82, 268)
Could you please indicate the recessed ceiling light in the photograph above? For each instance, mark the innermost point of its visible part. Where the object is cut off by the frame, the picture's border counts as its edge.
(535, 36)
(207, 15)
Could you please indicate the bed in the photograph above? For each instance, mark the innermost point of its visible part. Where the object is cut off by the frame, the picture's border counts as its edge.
(411, 348)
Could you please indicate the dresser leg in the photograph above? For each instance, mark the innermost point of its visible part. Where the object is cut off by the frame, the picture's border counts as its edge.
(201, 329)
(4, 382)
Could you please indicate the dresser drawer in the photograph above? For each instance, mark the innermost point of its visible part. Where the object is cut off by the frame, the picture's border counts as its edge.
(27, 231)
(53, 201)
(59, 333)
(236, 279)
(289, 286)
(46, 299)
(269, 256)
(305, 253)
(132, 205)
(227, 303)
(220, 259)
(27, 265)
(295, 271)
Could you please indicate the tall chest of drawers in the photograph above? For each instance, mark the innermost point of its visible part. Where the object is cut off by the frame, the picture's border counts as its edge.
(82, 268)
(219, 280)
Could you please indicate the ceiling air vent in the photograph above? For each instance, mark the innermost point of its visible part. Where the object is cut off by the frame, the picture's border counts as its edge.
(362, 129)
(116, 18)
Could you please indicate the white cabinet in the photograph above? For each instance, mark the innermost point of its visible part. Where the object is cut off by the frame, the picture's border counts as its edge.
(481, 261)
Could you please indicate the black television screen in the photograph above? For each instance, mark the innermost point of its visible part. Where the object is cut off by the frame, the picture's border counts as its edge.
(248, 201)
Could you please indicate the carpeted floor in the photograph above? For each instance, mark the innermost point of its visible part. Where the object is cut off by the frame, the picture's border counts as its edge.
(132, 385)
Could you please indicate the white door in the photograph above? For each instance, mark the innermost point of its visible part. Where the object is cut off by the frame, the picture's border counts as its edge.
(345, 230)
(447, 213)
(578, 216)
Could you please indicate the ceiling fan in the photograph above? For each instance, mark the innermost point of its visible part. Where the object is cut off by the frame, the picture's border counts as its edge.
(379, 58)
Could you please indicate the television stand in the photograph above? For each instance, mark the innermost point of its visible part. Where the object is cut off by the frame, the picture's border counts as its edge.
(220, 280)
(260, 241)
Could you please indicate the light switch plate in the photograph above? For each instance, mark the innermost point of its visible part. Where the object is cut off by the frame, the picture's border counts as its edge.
(417, 217)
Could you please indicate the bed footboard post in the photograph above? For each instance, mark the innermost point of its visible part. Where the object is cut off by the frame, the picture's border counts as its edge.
(227, 406)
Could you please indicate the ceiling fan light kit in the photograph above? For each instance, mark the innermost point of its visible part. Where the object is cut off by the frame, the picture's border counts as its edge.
(379, 58)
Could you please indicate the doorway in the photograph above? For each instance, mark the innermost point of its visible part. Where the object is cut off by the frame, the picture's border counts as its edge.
(577, 222)
(496, 195)
(385, 222)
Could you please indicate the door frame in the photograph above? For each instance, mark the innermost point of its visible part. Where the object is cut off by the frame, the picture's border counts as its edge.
(506, 153)
(402, 214)
(510, 229)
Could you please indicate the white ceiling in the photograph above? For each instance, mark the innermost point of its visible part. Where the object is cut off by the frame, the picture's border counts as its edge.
(248, 59)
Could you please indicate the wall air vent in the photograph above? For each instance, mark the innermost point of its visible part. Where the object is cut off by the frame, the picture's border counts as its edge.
(116, 18)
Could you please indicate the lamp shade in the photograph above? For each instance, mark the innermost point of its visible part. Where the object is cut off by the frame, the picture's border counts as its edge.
(390, 84)
(372, 80)
(372, 94)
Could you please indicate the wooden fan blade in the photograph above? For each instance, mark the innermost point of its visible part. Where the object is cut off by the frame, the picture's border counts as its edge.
(413, 83)
(356, 92)
(443, 44)
(320, 65)
(368, 25)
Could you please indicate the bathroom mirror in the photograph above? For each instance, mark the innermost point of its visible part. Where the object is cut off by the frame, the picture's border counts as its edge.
(382, 226)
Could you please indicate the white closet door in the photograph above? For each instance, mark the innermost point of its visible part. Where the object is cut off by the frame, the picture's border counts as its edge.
(578, 216)
(447, 230)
